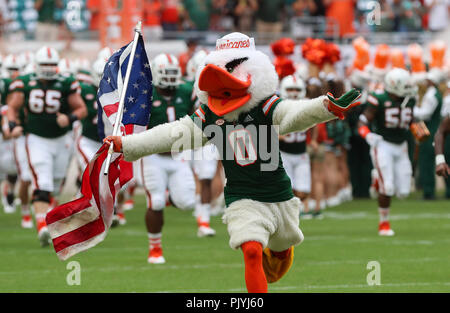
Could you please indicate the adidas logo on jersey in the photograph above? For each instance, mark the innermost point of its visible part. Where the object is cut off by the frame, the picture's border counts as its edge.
(178, 100)
(248, 118)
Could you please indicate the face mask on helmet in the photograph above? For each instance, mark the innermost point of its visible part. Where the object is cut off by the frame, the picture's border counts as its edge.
(168, 78)
(293, 93)
(47, 71)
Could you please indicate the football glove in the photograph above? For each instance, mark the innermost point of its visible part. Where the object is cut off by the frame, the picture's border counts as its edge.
(339, 106)
(420, 131)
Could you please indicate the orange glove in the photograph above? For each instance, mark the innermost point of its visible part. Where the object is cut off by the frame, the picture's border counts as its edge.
(116, 141)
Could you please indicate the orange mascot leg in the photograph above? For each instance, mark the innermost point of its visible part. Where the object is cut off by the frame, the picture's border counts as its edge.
(255, 279)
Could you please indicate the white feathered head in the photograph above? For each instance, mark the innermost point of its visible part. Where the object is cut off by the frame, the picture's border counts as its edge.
(235, 77)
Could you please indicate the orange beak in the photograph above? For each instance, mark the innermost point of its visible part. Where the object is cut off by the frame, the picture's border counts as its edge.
(226, 92)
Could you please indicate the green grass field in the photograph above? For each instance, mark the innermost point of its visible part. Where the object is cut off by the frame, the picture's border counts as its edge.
(333, 257)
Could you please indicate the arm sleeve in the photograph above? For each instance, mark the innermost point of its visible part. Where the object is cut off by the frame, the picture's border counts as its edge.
(426, 110)
(300, 115)
(176, 136)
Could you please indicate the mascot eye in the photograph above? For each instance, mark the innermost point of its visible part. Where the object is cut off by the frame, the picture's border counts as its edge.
(230, 66)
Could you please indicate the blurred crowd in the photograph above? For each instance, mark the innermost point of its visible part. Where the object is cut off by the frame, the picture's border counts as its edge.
(345, 17)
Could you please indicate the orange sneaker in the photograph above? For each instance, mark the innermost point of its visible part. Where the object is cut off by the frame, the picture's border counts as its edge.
(384, 229)
(155, 256)
(274, 267)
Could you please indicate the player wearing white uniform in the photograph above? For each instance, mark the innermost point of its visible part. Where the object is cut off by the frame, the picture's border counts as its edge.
(52, 102)
(293, 146)
(204, 161)
(390, 113)
(161, 172)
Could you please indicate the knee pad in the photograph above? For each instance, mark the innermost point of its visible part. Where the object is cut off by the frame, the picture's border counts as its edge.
(41, 195)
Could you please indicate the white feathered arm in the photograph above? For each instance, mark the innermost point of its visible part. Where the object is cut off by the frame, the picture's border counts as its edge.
(176, 136)
(299, 115)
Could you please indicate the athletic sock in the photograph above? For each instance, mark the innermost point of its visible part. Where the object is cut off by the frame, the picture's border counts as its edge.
(25, 210)
(384, 214)
(154, 240)
(204, 213)
(40, 221)
(255, 279)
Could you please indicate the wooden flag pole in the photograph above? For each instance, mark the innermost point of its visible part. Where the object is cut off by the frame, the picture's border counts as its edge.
(137, 33)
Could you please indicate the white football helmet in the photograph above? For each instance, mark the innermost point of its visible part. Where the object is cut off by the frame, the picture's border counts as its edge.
(11, 64)
(292, 87)
(66, 67)
(97, 70)
(47, 60)
(399, 82)
(105, 53)
(166, 71)
(436, 75)
(193, 64)
(82, 64)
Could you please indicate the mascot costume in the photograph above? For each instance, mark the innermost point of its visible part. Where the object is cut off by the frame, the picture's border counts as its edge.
(236, 85)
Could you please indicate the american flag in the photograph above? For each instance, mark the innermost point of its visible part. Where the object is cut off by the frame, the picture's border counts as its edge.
(82, 223)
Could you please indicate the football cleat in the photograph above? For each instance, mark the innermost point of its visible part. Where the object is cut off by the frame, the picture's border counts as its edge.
(115, 221)
(44, 236)
(384, 229)
(121, 217)
(205, 231)
(27, 222)
(9, 209)
(128, 205)
(155, 256)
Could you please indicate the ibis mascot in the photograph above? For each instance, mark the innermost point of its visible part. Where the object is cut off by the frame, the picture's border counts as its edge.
(239, 112)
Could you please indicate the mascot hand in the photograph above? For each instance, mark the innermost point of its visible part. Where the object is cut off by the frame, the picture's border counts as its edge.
(116, 141)
(339, 106)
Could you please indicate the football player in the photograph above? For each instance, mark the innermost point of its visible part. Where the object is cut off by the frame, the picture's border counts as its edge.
(159, 172)
(204, 161)
(442, 167)
(53, 102)
(293, 146)
(390, 112)
(430, 112)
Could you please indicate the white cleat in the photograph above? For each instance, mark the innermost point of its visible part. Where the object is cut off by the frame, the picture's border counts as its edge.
(156, 260)
(9, 209)
(204, 231)
(386, 232)
(27, 223)
(128, 205)
(44, 237)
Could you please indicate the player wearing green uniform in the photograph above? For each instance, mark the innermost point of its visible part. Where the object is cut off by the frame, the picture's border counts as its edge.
(172, 100)
(430, 112)
(52, 102)
(88, 143)
(293, 146)
(8, 171)
(389, 113)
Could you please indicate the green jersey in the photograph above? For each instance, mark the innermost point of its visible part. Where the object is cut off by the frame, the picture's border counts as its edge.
(43, 100)
(294, 143)
(4, 89)
(89, 123)
(166, 109)
(247, 149)
(435, 120)
(392, 118)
